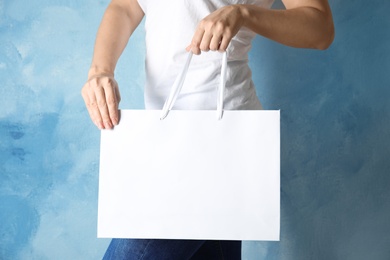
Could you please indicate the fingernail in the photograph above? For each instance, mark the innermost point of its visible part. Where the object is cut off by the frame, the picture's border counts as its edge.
(100, 125)
(115, 121)
(108, 124)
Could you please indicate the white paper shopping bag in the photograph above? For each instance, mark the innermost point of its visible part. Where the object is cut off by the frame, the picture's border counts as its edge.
(191, 176)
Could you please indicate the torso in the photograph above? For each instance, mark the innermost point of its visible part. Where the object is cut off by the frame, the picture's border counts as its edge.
(170, 26)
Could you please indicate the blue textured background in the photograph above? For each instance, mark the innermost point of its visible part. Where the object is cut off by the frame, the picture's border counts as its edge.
(335, 133)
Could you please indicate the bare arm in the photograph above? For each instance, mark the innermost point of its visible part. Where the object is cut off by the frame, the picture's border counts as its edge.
(304, 24)
(101, 93)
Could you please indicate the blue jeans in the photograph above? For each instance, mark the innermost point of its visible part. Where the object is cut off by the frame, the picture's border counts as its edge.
(166, 249)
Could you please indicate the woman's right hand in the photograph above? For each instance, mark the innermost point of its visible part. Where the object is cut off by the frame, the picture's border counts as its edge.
(101, 96)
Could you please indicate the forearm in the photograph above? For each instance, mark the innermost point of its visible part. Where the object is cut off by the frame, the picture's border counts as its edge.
(301, 27)
(118, 23)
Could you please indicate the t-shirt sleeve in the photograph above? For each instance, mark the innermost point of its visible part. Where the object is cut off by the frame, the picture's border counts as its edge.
(143, 4)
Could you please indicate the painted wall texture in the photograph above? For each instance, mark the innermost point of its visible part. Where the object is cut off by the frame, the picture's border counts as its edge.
(335, 133)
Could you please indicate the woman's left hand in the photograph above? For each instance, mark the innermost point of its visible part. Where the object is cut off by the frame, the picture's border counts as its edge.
(216, 30)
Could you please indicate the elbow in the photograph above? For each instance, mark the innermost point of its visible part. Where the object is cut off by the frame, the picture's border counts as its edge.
(326, 39)
(327, 34)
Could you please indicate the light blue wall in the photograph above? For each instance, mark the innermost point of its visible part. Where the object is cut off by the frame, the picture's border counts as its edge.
(335, 138)
(335, 133)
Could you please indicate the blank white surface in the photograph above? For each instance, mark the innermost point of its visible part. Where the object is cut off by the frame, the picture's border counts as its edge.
(191, 176)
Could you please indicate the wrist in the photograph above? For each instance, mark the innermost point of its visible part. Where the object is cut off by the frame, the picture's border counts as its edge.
(244, 13)
(96, 71)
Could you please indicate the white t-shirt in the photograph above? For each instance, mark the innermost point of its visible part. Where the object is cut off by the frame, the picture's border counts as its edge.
(170, 26)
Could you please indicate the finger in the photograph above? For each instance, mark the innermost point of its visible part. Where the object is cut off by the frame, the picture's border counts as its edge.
(117, 93)
(111, 101)
(205, 42)
(227, 38)
(93, 110)
(196, 40)
(102, 102)
(102, 107)
(215, 43)
(95, 117)
(87, 101)
(224, 44)
(118, 98)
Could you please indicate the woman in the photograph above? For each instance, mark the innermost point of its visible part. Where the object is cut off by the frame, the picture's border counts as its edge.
(172, 28)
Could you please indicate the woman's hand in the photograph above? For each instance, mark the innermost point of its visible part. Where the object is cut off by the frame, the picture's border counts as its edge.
(100, 92)
(216, 30)
(304, 24)
(101, 96)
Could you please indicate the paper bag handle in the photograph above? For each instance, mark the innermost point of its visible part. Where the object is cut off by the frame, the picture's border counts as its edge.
(178, 84)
